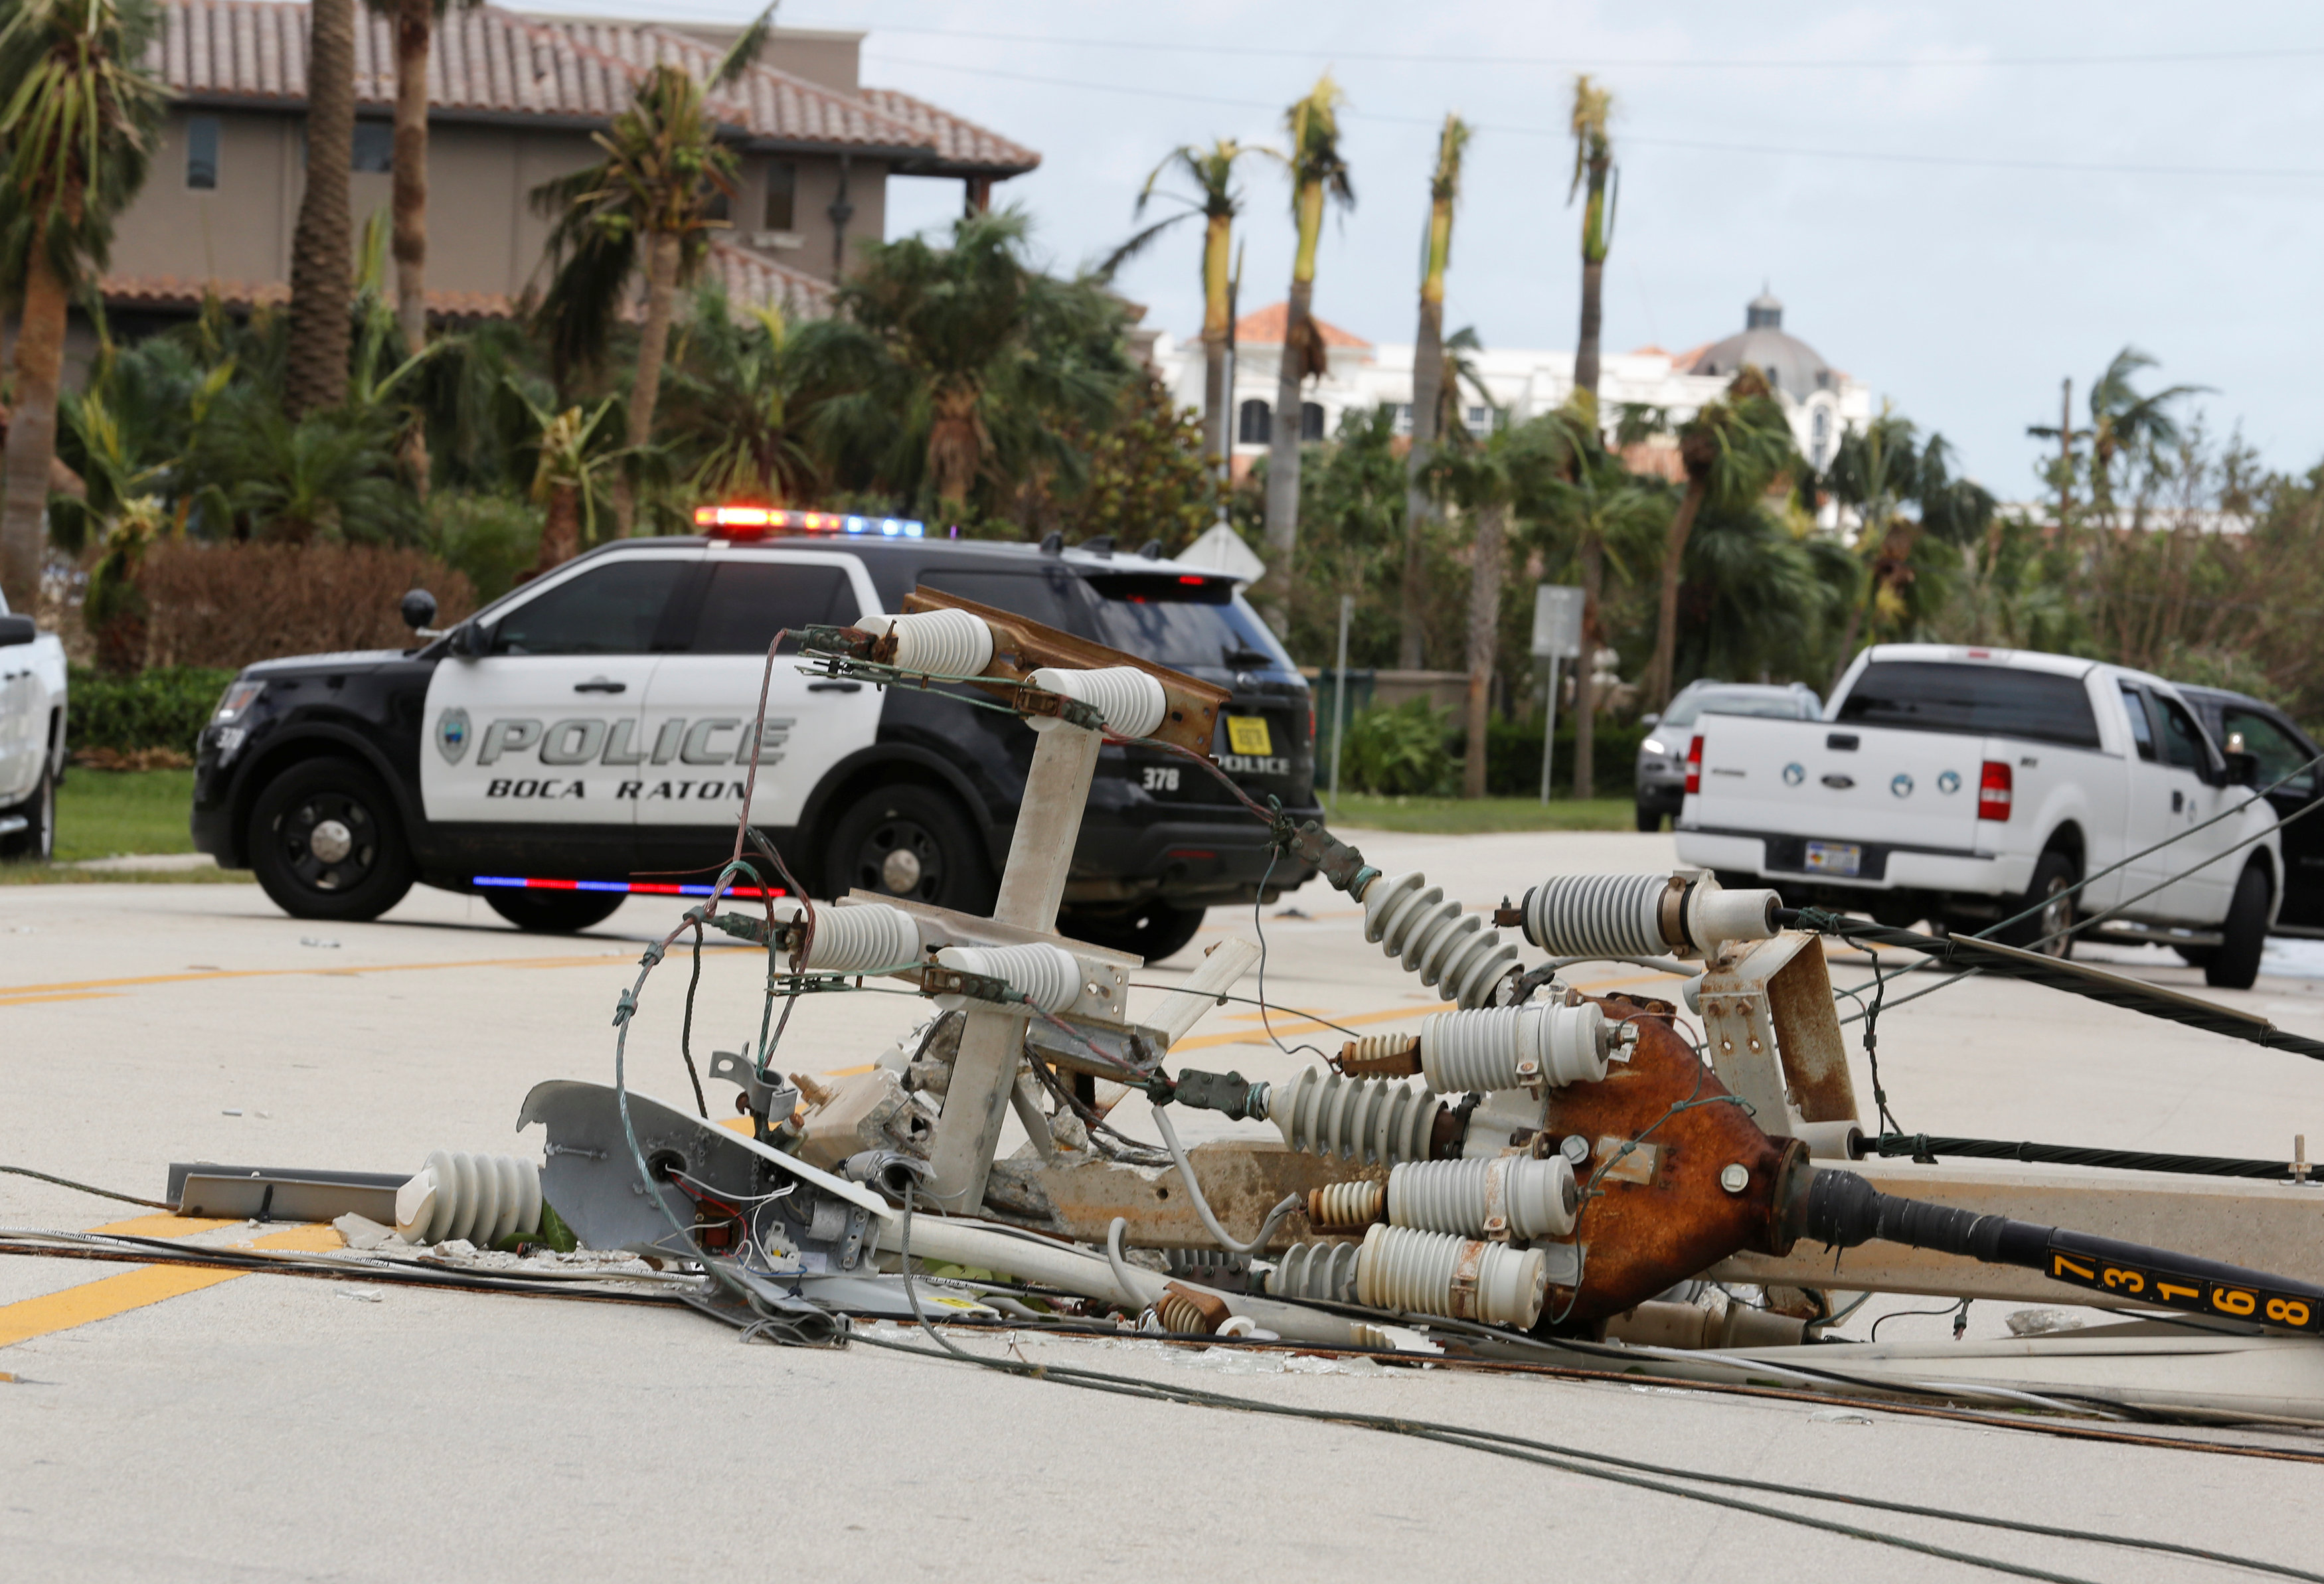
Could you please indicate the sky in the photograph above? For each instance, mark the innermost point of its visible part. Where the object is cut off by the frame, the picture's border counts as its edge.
(1959, 203)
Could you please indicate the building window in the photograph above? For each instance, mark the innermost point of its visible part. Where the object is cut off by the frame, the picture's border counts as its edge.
(1311, 422)
(1254, 424)
(375, 146)
(202, 152)
(1478, 417)
(782, 194)
(1404, 418)
(1819, 433)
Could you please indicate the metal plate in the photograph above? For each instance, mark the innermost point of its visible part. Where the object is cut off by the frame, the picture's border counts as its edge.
(1839, 858)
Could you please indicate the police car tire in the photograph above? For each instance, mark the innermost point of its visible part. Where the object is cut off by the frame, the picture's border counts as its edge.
(924, 822)
(1154, 930)
(554, 913)
(306, 887)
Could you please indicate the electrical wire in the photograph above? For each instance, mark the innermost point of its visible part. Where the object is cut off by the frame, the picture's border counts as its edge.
(88, 1188)
(1957, 1309)
(1259, 1240)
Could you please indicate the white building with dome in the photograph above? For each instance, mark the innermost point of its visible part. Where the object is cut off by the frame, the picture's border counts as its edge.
(1821, 401)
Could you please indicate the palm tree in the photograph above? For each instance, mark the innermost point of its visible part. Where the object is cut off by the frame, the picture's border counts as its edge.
(571, 462)
(2124, 422)
(1874, 471)
(1732, 450)
(652, 201)
(76, 112)
(1607, 506)
(736, 411)
(322, 244)
(1594, 170)
(1428, 376)
(414, 22)
(1211, 172)
(1317, 173)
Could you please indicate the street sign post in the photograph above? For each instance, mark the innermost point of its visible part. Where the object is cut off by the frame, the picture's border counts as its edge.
(1556, 636)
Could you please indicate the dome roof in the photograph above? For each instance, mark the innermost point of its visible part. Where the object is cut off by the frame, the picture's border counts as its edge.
(1790, 364)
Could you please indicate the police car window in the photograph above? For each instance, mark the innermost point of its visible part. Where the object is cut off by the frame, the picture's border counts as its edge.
(1182, 620)
(1038, 595)
(2142, 730)
(1996, 700)
(751, 600)
(2183, 739)
(2279, 753)
(610, 610)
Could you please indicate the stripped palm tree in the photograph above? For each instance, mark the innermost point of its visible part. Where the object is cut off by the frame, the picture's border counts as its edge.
(77, 113)
(322, 243)
(1593, 171)
(1318, 174)
(1733, 450)
(1428, 378)
(414, 24)
(1211, 172)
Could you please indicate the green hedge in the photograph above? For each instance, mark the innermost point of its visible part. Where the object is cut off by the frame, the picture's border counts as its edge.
(1513, 758)
(165, 707)
(1414, 749)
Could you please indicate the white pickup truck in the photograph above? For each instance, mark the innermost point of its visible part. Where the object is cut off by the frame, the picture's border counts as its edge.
(31, 736)
(1963, 786)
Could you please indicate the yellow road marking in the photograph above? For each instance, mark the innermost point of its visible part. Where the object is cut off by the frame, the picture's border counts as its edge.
(35, 1000)
(9, 994)
(134, 1289)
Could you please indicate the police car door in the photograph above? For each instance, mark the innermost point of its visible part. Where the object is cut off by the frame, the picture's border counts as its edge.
(543, 728)
(700, 703)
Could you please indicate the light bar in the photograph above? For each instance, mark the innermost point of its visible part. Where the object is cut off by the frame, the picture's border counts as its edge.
(738, 521)
(619, 887)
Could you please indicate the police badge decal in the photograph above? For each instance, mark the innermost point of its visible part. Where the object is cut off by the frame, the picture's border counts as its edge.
(452, 734)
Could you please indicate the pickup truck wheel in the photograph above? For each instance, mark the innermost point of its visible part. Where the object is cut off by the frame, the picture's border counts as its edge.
(553, 913)
(911, 842)
(1153, 929)
(2245, 934)
(325, 843)
(2053, 878)
(37, 842)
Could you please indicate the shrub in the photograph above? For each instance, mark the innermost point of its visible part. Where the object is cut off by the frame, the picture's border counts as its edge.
(1513, 758)
(165, 708)
(488, 538)
(1401, 752)
(229, 604)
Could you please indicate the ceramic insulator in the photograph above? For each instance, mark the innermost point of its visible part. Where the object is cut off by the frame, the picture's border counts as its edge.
(1381, 1056)
(1046, 974)
(1131, 700)
(481, 1198)
(1597, 914)
(1450, 950)
(1346, 1204)
(1325, 1271)
(1433, 1272)
(857, 940)
(1186, 1313)
(1513, 1047)
(1372, 1120)
(936, 643)
(1511, 1195)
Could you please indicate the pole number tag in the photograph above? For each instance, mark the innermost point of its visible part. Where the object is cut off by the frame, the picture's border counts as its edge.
(2181, 1290)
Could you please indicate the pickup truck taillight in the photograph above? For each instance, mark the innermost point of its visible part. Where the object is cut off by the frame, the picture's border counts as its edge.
(1994, 789)
(1695, 767)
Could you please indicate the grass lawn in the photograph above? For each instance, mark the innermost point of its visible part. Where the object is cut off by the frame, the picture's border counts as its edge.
(1461, 816)
(112, 813)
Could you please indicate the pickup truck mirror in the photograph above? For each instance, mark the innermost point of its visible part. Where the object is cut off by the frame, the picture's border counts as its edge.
(472, 640)
(418, 611)
(2243, 769)
(14, 630)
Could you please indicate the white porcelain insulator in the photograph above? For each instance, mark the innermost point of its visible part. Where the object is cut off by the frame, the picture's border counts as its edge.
(1047, 975)
(1598, 916)
(936, 643)
(481, 1198)
(1459, 1278)
(1376, 1121)
(1131, 700)
(865, 938)
(1513, 1047)
(1324, 1271)
(1507, 1195)
(1451, 951)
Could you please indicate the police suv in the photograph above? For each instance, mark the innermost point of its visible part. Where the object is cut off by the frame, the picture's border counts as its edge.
(587, 737)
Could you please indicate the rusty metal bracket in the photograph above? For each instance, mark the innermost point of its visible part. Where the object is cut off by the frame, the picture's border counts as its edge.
(939, 980)
(1773, 1032)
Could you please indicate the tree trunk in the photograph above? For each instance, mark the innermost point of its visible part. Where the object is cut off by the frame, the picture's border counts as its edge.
(1485, 574)
(653, 349)
(1848, 636)
(1658, 676)
(1283, 466)
(316, 374)
(560, 529)
(1419, 511)
(1218, 312)
(32, 433)
(1217, 402)
(1585, 672)
(414, 24)
(1585, 356)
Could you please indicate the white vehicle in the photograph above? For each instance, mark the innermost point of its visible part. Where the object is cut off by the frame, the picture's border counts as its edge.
(31, 736)
(1964, 785)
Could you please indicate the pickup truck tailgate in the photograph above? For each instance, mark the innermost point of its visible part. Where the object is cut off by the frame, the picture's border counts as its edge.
(1832, 784)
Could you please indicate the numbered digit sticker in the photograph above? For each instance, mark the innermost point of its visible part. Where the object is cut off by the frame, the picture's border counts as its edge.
(2229, 1300)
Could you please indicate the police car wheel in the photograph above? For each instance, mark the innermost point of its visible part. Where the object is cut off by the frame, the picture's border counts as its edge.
(325, 842)
(1152, 929)
(554, 913)
(911, 842)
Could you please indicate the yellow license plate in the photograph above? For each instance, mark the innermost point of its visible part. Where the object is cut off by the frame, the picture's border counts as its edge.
(1248, 735)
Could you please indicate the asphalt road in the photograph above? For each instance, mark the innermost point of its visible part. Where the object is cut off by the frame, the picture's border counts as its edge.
(259, 1427)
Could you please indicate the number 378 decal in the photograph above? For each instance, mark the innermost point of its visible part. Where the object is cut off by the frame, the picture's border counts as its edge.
(1161, 778)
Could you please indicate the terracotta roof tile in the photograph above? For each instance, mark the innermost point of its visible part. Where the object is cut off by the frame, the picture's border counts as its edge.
(754, 280)
(956, 142)
(1264, 328)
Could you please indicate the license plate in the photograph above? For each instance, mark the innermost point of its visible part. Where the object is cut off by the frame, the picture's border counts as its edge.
(1248, 735)
(1841, 858)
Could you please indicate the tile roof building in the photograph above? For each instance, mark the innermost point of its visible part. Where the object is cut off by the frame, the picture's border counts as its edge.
(514, 98)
